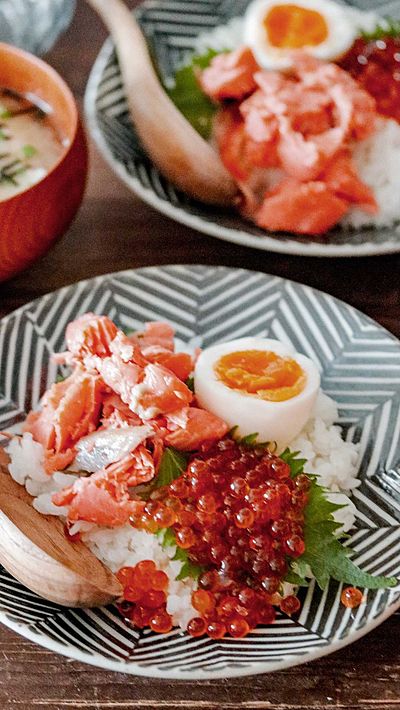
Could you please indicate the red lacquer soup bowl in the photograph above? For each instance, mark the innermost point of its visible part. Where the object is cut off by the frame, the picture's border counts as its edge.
(32, 220)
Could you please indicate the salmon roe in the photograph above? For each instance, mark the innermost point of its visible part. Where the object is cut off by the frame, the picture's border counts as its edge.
(375, 64)
(144, 596)
(239, 515)
(351, 597)
(290, 605)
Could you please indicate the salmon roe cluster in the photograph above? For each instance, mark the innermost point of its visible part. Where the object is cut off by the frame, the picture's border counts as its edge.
(145, 599)
(239, 515)
(376, 66)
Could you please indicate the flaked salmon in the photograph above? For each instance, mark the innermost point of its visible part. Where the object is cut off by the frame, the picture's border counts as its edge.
(288, 141)
(230, 75)
(190, 427)
(104, 498)
(124, 402)
(70, 410)
(302, 207)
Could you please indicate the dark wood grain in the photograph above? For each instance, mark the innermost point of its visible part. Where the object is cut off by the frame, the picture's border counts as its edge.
(114, 230)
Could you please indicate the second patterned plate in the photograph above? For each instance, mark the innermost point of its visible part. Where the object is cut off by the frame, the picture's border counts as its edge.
(172, 28)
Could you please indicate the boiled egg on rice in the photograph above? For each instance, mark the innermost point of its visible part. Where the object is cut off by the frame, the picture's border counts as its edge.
(274, 29)
(258, 385)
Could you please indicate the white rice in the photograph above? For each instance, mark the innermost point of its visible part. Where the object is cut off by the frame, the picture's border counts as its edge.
(125, 547)
(27, 469)
(328, 456)
(221, 38)
(377, 158)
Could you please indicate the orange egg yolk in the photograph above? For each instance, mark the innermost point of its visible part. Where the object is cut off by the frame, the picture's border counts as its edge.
(294, 27)
(261, 373)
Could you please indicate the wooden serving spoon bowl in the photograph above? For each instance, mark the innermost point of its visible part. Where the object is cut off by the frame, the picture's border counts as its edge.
(35, 550)
(178, 151)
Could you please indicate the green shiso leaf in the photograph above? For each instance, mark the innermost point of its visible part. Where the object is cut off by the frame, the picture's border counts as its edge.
(324, 553)
(296, 465)
(188, 96)
(173, 464)
(190, 383)
(388, 27)
(296, 579)
(298, 573)
(189, 569)
(180, 554)
(249, 440)
(168, 537)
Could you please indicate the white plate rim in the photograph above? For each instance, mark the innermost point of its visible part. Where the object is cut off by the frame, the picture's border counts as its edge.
(152, 672)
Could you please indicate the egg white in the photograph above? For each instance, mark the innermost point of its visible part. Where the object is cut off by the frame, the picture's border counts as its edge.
(274, 421)
(343, 28)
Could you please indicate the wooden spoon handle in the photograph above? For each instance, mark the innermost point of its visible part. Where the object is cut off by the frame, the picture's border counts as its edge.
(34, 549)
(179, 152)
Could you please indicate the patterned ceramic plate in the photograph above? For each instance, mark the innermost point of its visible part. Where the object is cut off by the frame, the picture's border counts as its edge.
(172, 27)
(360, 368)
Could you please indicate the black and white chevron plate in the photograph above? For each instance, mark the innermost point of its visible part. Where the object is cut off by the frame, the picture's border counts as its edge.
(172, 27)
(360, 366)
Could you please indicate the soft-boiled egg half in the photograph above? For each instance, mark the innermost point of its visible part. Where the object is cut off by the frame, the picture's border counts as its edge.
(274, 29)
(258, 385)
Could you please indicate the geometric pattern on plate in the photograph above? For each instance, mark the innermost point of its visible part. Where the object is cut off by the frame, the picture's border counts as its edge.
(359, 364)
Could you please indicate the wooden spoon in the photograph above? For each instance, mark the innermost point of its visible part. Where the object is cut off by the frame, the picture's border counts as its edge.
(35, 550)
(179, 152)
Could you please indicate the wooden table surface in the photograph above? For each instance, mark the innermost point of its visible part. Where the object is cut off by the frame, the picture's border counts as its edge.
(113, 231)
